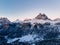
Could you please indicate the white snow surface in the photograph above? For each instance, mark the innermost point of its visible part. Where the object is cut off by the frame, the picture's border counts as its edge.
(26, 38)
(33, 21)
(37, 21)
(40, 21)
(17, 21)
(12, 40)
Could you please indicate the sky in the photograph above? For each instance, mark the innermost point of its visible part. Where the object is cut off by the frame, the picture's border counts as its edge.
(22, 9)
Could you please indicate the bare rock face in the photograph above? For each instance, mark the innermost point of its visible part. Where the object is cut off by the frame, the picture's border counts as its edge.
(41, 16)
(4, 20)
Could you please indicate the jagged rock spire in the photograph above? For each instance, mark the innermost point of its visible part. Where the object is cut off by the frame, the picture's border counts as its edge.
(41, 16)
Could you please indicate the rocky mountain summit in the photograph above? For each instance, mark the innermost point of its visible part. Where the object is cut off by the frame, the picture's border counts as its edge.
(4, 20)
(38, 31)
(41, 16)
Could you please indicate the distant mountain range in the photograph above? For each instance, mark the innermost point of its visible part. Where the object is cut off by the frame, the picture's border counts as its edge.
(38, 17)
(37, 31)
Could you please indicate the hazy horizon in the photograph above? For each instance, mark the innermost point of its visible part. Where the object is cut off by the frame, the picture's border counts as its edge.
(21, 9)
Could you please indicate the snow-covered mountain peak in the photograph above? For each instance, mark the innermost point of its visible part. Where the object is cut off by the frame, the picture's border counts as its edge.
(57, 19)
(30, 31)
(17, 21)
(4, 20)
(41, 16)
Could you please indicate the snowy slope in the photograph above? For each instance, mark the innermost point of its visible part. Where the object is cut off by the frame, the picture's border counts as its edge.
(26, 38)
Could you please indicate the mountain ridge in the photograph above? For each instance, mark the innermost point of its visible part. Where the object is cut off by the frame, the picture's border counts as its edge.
(39, 17)
(29, 32)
